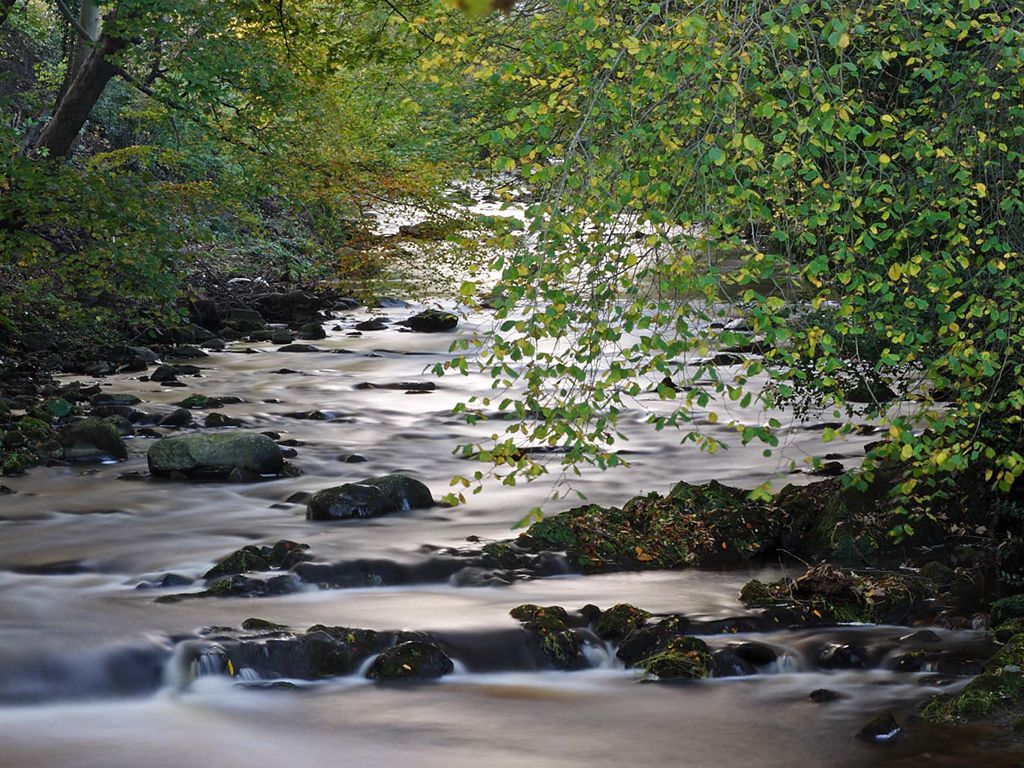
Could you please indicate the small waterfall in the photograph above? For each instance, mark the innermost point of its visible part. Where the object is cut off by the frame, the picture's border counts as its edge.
(602, 655)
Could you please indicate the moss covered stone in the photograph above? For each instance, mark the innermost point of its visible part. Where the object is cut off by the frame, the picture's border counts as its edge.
(92, 439)
(619, 620)
(680, 661)
(996, 695)
(554, 639)
(218, 454)
(827, 594)
(692, 525)
(411, 660)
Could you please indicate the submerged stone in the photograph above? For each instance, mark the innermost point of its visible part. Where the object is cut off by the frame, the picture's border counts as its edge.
(215, 455)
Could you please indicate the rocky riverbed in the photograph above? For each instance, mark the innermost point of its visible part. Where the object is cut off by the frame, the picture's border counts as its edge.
(234, 550)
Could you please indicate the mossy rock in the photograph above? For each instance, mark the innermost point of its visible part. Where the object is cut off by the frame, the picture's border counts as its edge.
(529, 612)
(554, 640)
(372, 497)
(411, 660)
(16, 464)
(246, 559)
(825, 594)
(693, 525)
(33, 428)
(92, 439)
(995, 696)
(1008, 629)
(619, 620)
(678, 663)
(651, 639)
(215, 455)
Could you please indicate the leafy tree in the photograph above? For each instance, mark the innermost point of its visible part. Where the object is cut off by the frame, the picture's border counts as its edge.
(846, 173)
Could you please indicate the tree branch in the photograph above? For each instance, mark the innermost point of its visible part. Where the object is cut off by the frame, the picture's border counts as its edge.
(73, 21)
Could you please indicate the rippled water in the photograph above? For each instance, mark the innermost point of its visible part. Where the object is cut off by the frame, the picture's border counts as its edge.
(77, 637)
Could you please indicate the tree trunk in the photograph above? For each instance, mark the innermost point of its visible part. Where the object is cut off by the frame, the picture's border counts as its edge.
(79, 99)
(89, 18)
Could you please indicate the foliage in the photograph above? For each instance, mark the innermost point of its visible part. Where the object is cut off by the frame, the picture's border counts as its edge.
(240, 136)
(848, 174)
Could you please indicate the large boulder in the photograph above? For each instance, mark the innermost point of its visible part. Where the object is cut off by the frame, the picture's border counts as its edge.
(373, 497)
(237, 454)
(432, 321)
(92, 439)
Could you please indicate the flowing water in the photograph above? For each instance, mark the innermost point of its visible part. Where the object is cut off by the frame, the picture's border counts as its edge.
(87, 675)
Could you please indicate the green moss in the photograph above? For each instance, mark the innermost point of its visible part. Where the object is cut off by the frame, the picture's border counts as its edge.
(16, 464)
(619, 620)
(530, 612)
(673, 664)
(1007, 608)
(32, 428)
(826, 594)
(1008, 629)
(996, 695)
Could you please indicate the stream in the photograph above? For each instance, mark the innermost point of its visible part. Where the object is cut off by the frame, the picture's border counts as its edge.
(86, 670)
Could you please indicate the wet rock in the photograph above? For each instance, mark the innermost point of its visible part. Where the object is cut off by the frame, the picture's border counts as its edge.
(405, 386)
(202, 402)
(995, 696)
(352, 458)
(261, 625)
(185, 352)
(725, 662)
(685, 658)
(290, 307)
(282, 336)
(619, 621)
(369, 498)
(693, 525)
(758, 654)
(215, 455)
(432, 321)
(171, 372)
(553, 640)
(214, 344)
(880, 729)
(283, 555)
(167, 580)
(831, 595)
(824, 696)
(110, 398)
(245, 320)
(649, 640)
(215, 420)
(921, 636)
(373, 324)
(842, 656)
(312, 331)
(411, 660)
(299, 348)
(177, 419)
(92, 439)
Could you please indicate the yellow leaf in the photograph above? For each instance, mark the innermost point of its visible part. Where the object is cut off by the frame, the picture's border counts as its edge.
(231, 668)
(642, 556)
(895, 271)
